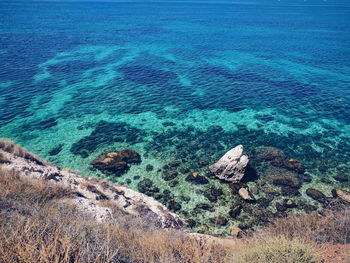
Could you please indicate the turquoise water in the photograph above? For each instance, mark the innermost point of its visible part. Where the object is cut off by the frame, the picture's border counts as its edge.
(179, 82)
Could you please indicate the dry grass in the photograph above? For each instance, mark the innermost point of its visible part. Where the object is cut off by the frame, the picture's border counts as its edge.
(26, 196)
(36, 227)
(277, 249)
(11, 147)
(333, 227)
(46, 240)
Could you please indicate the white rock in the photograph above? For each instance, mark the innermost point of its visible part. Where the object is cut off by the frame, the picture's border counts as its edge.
(245, 194)
(342, 194)
(231, 166)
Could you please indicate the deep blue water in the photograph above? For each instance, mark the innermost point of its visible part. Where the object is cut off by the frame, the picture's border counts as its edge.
(178, 81)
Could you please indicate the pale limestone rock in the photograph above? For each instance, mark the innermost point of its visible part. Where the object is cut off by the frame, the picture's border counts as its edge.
(245, 194)
(231, 166)
(342, 194)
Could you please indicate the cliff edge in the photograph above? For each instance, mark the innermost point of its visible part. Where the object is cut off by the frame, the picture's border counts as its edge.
(90, 194)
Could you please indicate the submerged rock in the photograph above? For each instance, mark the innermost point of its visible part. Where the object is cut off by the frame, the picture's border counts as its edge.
(197, 179)
(146, 186)
(289, 191)
(269, 190)
(266, 153)
(284, 177)
(280, 208)
(236, 186)
(316, 195)
(289, 203)
(231, 166)
(203, 206)
(173, 183)
(191, 223)
(326, 181)
(213, 193)
(341, 178)
(174, 206)
(219, 220)
(264, 202)
(107, 133)
(149, 167)
(174, 164)
(309, 208)
(116, 162)
(235, 210)
(259, 215)
(280, 214)
(169, 175)
(342, 194)
(294, 165)
(245, 194)
(128, 181)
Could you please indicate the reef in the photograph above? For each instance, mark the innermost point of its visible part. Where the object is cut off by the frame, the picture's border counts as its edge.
(106, 133)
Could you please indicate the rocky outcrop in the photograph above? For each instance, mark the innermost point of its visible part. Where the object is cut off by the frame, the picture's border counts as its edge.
(91, 192)
(116, 163)
(342, 194)
(196, 179)
(245, 194)
(231, 166)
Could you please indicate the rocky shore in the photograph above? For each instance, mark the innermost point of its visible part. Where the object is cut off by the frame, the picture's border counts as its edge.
(89, 192)
(264, 184)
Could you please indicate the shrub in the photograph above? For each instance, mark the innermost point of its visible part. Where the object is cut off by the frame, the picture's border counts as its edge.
(276, 250)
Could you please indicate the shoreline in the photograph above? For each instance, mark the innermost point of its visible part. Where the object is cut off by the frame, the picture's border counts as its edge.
(259, 206)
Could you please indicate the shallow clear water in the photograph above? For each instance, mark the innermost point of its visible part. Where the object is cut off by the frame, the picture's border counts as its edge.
(178, 81)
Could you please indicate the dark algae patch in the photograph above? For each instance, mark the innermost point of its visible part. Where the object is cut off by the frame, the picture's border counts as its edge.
(56, 150)
(106, 133)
